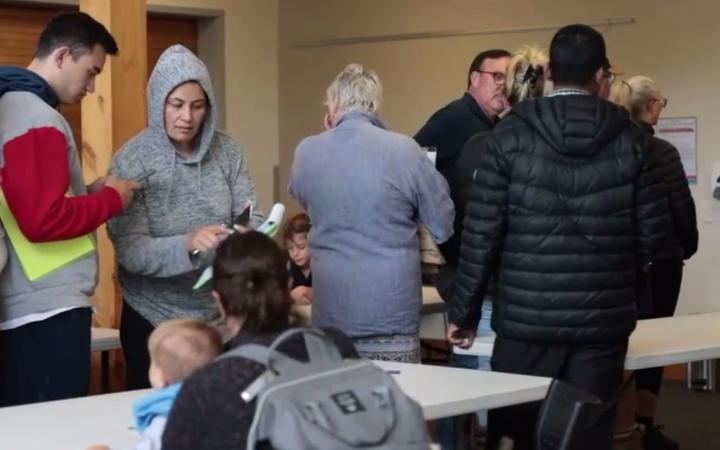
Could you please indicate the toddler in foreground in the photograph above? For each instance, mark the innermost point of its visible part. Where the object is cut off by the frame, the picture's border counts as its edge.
(177, 349)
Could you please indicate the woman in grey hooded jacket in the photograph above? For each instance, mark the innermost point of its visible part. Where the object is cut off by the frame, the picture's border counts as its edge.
(195, 181)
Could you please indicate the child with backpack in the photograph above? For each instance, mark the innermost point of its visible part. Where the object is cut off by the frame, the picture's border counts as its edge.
(177, 348)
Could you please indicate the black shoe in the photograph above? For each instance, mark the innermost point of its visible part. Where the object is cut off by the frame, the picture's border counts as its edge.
(655, 439)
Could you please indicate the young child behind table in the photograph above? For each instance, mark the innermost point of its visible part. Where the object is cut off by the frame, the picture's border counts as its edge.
(295, 238)
(177, 349)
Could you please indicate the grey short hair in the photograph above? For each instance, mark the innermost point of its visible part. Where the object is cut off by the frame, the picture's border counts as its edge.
(355, 89)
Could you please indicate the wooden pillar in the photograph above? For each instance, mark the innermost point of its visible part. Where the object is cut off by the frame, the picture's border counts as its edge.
(111, 116)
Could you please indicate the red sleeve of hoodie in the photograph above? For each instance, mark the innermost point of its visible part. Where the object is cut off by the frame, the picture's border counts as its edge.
(35, 181)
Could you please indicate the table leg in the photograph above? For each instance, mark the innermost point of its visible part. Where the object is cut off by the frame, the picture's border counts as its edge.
(105, 371)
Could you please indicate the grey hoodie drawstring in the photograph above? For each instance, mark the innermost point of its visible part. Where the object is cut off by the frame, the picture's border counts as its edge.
(199, 178)
(171, 182)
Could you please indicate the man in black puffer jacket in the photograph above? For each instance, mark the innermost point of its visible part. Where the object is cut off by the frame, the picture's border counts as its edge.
(567, 210)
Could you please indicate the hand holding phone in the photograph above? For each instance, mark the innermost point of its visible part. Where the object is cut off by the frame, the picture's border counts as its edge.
(243, 219)
(125, 188)
(206, 238)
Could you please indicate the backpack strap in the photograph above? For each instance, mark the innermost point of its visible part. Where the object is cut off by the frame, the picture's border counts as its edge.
(253, 352)
(259, 354)
(320, 348)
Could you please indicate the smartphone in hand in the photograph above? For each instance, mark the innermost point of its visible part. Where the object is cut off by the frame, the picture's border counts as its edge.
(243, 219)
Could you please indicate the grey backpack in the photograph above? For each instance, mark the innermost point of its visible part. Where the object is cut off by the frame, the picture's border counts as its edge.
(327, 402)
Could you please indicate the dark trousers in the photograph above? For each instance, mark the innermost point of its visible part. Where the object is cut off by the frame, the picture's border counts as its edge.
(594, 368)
(665, 277)
(46, 360)
(134, 333)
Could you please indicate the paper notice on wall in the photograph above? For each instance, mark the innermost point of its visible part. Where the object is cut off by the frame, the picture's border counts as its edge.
(682, 133)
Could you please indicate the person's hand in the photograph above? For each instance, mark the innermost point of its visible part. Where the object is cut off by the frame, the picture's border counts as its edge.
(241, 229)
(126, 188)
(459, 337)
(99, 447)
(302, 294)
(207, 237)
(97, 185)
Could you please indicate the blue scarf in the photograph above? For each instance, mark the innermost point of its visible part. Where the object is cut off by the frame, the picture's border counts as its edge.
(155, 404)
(16, 78)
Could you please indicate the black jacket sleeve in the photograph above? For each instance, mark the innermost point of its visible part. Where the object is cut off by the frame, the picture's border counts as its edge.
(682, 206)
(653, 223)
(484, 231)
(463, 174)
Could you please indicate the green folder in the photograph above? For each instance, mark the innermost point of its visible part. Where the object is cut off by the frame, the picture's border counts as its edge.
(39, 259)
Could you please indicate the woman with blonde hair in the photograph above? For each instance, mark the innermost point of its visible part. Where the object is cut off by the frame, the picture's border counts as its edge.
(644, 101)
(641, 97)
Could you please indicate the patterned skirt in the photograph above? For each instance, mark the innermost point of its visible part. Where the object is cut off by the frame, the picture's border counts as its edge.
(395, 347)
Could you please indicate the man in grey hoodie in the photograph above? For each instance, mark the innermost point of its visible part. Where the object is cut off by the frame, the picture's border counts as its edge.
(195, 182)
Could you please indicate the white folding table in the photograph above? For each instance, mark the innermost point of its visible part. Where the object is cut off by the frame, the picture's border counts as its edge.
(107, 419)
(433, 321)
(655, 342)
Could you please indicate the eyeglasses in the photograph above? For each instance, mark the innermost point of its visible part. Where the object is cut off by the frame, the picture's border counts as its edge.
(610, 76)
(498, 77)
(662, 100)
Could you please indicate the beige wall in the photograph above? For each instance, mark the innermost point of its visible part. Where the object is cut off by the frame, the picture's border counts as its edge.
(238, 41)
(675, 44)
(274, 91)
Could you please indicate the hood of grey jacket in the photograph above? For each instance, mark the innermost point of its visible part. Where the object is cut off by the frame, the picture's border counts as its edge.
(178, 65)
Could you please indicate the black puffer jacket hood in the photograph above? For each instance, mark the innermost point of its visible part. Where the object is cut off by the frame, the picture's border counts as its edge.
(575, 125)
